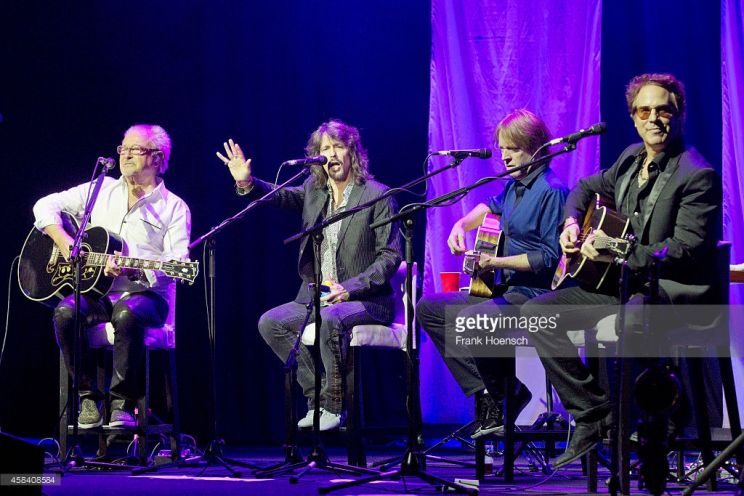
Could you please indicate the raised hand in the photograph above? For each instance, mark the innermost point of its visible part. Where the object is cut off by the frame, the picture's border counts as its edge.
(234, 159)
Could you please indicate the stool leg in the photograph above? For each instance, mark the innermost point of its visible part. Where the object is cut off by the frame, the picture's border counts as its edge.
(729, 391)
(509, 421)
(355, 445)
(702, 420)
(591, 350)
(64, 398)
(171, 399)
(101, 380)
(143, 406)
(549, 444)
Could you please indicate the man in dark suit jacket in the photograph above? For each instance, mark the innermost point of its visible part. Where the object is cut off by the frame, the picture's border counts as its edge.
(672, 198)
(357, 262)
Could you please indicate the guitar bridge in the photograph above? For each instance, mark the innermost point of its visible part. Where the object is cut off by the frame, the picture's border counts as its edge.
(470, 263)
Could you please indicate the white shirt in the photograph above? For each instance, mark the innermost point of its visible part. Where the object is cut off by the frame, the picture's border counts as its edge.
(157, 227)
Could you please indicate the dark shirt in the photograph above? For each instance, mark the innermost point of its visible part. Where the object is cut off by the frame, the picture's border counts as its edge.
(530, 210)
(635, 206)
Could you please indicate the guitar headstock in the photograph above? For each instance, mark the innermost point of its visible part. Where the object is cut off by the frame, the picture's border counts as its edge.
(186, 270)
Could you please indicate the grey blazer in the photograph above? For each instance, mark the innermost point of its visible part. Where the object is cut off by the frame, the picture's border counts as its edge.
(366, 259)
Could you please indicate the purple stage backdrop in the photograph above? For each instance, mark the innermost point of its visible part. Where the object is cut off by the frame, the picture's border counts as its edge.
(732, 82)
(487, 59)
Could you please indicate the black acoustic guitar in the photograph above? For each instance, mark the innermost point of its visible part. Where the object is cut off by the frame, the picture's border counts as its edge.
(617, 240)
(45, 276)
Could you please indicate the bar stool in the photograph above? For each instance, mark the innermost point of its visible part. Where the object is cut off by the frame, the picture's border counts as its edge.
(391, 337)
(157, 339)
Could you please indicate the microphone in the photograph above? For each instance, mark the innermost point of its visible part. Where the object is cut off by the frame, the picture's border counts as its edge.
(107, 163)
(480, 153)
(308, 161)
(598, 128)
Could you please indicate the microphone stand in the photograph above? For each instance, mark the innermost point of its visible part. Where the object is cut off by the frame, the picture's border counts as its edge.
(413, 461)
(213, 453)
(318, 458)
(74, 457)
(292, 457)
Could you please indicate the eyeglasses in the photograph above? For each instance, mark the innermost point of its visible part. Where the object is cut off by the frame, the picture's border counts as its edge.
(663, 111)
(135, 149)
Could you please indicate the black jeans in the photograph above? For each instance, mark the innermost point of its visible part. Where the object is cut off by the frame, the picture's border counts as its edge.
(580, 392)
(471, 374)
(280, 327)
(130, 316)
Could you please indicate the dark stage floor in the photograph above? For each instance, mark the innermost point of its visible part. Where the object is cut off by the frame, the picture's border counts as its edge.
(216, 480)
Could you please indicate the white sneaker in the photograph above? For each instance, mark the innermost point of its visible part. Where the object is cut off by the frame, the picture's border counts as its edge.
(307, 421)
(329, 421)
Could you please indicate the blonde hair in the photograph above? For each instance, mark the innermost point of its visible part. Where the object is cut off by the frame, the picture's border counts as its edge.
(524, 129)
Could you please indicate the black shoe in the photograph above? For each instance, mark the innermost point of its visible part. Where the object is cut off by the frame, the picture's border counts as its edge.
(495, 424)
(122, 414)
(673, 432)
(485, 409)
(585, 437)
(488, 411)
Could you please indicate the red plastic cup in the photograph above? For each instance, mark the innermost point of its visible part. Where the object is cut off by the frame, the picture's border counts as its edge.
(450, 282)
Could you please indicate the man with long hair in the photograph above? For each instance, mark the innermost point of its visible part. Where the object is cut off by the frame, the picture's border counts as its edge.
(357, 262)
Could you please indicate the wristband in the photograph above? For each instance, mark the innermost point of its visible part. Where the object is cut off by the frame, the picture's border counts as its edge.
(243, 191)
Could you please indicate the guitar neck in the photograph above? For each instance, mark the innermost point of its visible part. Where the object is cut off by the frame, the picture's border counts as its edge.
(99, 260)
(618, 246)
(602, 242)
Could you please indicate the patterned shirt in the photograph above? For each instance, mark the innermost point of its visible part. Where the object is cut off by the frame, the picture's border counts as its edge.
(330, 235)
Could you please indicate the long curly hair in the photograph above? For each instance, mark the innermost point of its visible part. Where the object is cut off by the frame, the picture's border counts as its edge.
(349, 136)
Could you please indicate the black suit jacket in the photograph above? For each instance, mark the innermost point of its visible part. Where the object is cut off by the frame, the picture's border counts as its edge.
(684, 215)
(366, 259)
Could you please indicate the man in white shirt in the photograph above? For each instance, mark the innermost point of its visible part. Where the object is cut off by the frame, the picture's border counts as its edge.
(154, 224)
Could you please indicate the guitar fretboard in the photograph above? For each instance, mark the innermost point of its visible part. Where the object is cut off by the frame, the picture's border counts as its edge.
(603, 242)
(99, 260)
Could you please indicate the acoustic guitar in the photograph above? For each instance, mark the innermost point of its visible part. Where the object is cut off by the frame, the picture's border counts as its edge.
(489, 240)
(45, 276)
(617, 240)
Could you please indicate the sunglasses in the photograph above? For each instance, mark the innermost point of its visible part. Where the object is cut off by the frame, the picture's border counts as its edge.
(663, 111)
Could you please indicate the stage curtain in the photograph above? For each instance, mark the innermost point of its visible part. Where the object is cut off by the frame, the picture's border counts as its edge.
(489, 57)
(732, 95)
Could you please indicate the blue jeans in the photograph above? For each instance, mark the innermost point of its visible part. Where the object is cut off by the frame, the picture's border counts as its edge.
(280, 327)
